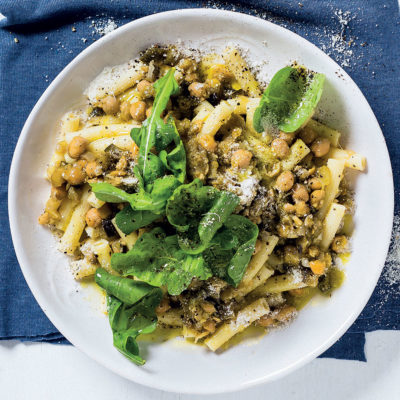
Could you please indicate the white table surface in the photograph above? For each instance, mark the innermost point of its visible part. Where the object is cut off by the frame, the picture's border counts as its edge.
(44, 371)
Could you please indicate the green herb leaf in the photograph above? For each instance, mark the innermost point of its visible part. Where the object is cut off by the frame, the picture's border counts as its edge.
(126, 290)
(131, 310)
(106, 192)
(158, 260)
(197, 212)
(289, 100)
(156, 133)
(153, 199)
(175, 160)
(129, 220)
(232, 248)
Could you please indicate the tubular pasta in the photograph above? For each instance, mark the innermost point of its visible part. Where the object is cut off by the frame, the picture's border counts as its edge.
(244, 318)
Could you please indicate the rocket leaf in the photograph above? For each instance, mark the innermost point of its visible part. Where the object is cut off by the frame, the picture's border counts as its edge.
(158, 260)
(131, 311)
(197, 212)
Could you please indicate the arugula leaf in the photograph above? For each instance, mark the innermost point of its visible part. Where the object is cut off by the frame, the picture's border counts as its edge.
(197, 212)
(175, 160)
(129, 220)
(127, 325)
(126, 290)
(152, 200)
(158, 260)
(131, 310)
(232, 248)
(289, 100)
(154, 132)
(106, 192)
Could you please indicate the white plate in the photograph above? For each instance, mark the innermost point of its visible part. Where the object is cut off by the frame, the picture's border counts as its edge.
(171, 366)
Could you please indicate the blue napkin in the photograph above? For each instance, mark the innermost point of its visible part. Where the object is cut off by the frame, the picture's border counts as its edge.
(39, 38)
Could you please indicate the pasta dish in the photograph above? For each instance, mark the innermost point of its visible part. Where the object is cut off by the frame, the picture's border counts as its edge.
(199, 198)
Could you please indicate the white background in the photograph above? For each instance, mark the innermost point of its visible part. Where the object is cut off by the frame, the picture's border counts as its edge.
(44, 371)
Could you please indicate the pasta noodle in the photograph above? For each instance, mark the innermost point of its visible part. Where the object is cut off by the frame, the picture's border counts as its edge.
(336, 168)
(331, 224)
(351, 159)
(93, 133)
(244, 318)
(115, 80)
(241, 71)
(297, 152)
(70, 239)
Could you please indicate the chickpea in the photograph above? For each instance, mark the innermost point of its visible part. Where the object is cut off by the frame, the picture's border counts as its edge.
(57, 177)
(125, 111)
(317, 267)
(77, 146)
(148, 111)
(74, 174)
(145, 88)
(315, 184)
(93, 169)
(307, 135)
(110, 105)
(317, 198)
(241, 158)
(302, 208)
(209, 326)
(199, 90)
(300, 193)
(289, 208)
(321, 147)
(58, 193)
(280, 148)
(163, 306)
(287, 137)
(285, 181)
(138, 111)
(44, 219)
(93, 218)
(339, 244)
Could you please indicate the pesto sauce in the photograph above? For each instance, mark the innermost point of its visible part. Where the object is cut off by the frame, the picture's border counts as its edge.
(331, 281)
(300, 301)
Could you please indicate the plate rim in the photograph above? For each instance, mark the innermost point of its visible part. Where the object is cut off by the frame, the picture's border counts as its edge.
(12, 212)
